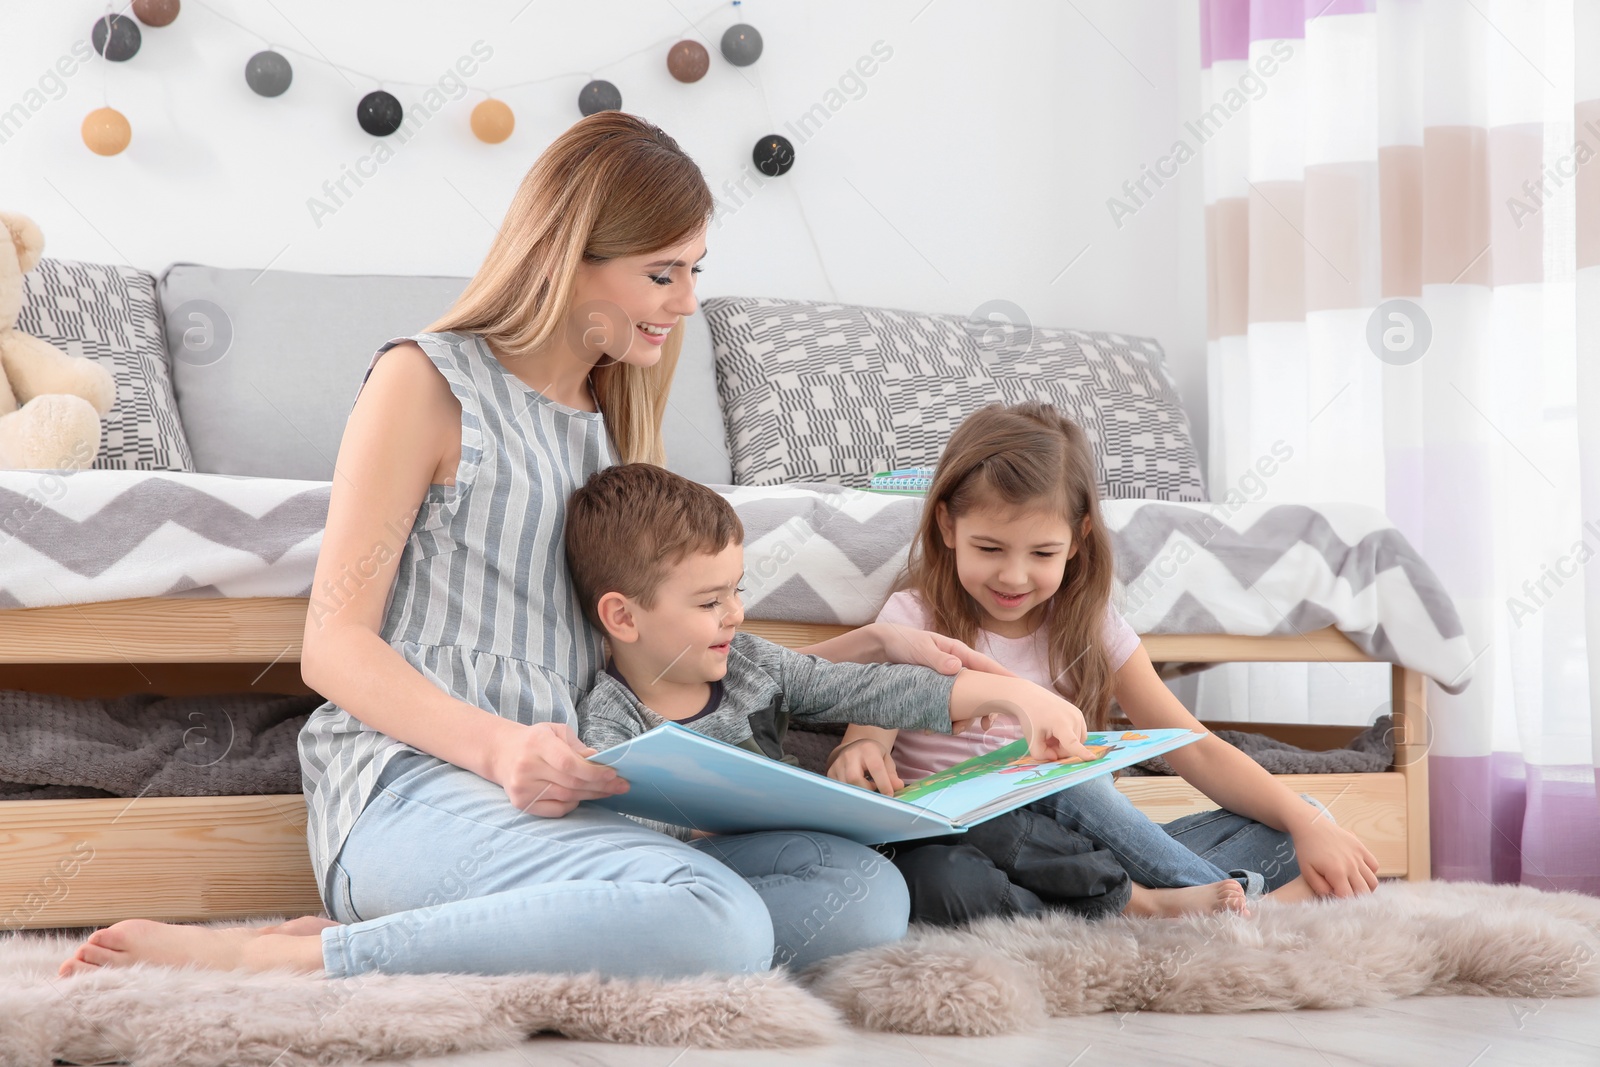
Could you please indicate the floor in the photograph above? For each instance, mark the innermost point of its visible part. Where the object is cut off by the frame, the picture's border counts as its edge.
(1436, 1031)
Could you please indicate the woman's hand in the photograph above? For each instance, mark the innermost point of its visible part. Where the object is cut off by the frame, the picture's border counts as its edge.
(545, 771)
(1333, 860)
(902, 644)
(865, 762)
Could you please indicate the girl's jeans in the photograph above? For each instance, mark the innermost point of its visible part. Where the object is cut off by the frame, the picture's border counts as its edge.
(1194, 850)
(442, 874)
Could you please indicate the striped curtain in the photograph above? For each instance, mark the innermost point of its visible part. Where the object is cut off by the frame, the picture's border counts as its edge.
(1403, 272)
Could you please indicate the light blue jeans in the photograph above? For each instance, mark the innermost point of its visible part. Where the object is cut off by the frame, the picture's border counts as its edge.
(1197, 849)
(442, 874)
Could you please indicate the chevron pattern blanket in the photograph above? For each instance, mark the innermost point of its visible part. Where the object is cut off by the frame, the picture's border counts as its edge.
(813, 553)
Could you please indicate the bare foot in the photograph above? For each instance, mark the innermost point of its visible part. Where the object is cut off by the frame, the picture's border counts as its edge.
(1226, 895)
(1296, 892)
(167, 944)
(303, 926)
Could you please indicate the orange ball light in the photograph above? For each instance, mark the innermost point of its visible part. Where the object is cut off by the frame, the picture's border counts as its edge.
(106, 131)
(492, 121)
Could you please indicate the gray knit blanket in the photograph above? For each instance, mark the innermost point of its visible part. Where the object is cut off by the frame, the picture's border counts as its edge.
(59, 748)
(1370, 751)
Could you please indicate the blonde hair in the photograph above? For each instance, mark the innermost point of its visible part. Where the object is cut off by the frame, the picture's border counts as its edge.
(611, 185)
(1028, 456)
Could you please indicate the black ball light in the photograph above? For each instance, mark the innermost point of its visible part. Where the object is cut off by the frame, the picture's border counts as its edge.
(379, 113)
(773, 155)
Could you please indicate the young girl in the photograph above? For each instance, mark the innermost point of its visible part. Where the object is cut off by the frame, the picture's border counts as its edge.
(1011, 557)
(443, 775)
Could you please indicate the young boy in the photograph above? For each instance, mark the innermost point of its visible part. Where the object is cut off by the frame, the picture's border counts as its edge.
(656, 560)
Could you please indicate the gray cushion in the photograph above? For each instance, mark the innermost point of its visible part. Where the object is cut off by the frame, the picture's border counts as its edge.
(692, 430)
(267, 364)
(108, 313)
(818, 392)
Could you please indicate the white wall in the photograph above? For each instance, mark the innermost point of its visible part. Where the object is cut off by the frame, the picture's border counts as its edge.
(974, 164)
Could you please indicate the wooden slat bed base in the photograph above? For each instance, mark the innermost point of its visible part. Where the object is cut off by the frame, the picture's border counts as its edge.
(1371, 806)
(91, 862)
(270, 629)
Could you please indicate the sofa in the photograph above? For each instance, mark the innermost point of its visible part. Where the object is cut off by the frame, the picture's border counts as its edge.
(181, 563)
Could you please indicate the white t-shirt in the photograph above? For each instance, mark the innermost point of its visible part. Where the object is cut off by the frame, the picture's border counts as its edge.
(919, 753)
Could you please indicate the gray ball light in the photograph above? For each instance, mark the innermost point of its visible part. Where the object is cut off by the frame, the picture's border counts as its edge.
(741, 44)
(268, 73)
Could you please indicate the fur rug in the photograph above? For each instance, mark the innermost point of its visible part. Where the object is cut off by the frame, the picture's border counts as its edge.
(1406, 939)
(994, 977)
(172, 1017)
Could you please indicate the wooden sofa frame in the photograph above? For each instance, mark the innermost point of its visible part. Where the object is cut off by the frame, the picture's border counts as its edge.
(71, 863)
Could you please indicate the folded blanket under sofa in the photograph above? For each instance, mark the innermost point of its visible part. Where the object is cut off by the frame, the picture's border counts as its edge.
(241, 744)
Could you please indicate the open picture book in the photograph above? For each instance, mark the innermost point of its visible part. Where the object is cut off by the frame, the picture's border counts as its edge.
(682, 777)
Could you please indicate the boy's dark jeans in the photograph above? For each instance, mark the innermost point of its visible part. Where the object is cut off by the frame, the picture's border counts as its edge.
(1014, 864)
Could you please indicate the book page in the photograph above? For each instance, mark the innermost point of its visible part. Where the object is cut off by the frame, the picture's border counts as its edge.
(1002, 778)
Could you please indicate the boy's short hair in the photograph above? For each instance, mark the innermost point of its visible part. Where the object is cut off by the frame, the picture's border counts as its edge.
(630, 524)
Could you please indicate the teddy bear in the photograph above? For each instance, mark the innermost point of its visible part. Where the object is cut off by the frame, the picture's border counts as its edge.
(61, 397)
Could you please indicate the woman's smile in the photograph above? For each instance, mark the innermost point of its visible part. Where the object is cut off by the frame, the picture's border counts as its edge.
(653, 332)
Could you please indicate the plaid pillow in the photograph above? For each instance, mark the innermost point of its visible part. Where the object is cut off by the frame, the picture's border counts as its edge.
(818, 392)
(109, 314)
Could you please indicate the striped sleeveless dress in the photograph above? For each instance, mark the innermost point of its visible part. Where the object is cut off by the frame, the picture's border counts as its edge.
(481, 603)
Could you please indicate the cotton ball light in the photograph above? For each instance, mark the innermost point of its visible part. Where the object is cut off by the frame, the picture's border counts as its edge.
(741, 44)
(116, 37)
(156, 13)
(379, 113)
(268, 73)
(106, 131)
(492, 121)
(688, 61)
(599, 96)
(773, 155)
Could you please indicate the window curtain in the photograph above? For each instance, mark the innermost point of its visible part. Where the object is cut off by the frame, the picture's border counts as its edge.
(1402, 217)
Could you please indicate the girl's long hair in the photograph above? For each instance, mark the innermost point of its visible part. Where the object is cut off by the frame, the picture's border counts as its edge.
(611, 185)
(1026, 457)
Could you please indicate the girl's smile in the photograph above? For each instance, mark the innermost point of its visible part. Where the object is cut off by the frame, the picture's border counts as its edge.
(1010, 562)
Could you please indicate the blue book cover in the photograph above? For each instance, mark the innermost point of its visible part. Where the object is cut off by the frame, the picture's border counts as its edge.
(685, 778)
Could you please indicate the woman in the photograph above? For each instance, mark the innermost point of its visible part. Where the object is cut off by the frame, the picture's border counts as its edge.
(443, 777)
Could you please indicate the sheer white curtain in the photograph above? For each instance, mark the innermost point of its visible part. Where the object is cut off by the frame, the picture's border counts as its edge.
(1403, 233)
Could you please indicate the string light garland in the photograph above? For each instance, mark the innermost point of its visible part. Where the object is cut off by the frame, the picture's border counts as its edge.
(380, 113)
